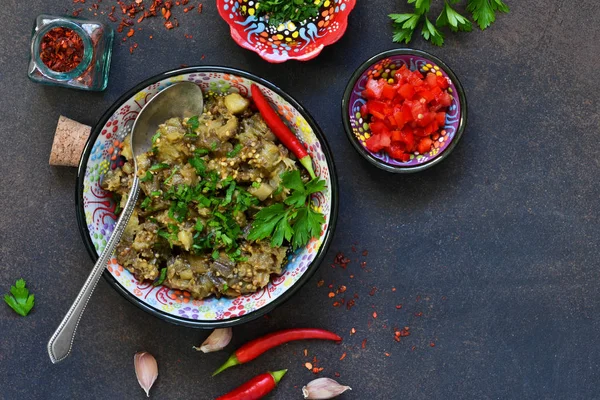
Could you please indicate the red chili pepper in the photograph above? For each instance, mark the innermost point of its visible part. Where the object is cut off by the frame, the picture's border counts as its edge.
(256, 347)
(256, 388)
(280, 129)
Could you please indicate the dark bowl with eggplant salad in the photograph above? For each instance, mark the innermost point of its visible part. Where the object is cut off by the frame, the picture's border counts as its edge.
(237, 205)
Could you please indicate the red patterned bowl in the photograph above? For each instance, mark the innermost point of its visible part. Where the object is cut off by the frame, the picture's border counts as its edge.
(288, 41)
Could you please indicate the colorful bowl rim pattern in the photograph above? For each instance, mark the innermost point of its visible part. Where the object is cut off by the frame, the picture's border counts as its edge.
(456, 118)
(251, 32)
(97, 158)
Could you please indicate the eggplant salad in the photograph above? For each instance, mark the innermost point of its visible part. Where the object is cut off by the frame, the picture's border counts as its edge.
(222, 203)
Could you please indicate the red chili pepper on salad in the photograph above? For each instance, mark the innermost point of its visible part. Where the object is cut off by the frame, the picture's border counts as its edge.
(256, 347)
(280, 129)
(256, 388)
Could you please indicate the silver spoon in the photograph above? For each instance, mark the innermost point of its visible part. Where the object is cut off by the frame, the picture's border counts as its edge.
(182, 99)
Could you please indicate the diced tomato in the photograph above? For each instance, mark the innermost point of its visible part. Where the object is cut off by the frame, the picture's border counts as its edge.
(442, 82)
(375, 87)
(431, 80)
(405, 117)
(424, 145)
(377, 127)
(441, 118)
(389, 92)
(407, 91)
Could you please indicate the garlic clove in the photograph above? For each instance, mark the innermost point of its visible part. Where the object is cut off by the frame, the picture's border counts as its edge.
(323, 389)
(146, 370)
(217, 340)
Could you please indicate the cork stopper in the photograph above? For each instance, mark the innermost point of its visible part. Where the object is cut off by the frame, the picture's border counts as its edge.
(69, 140)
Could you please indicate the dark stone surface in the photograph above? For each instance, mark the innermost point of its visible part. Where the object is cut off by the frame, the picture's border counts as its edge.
(500, 241)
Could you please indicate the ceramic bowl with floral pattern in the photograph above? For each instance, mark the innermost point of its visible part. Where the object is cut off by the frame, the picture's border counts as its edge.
(96, 207)
(287, 41)
(384, 65)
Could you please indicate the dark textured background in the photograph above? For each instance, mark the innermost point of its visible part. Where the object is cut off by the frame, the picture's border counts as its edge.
(500, 241)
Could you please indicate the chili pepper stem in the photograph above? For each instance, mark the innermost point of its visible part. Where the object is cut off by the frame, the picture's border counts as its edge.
(231, 361)
(277, 375)
(306, 161)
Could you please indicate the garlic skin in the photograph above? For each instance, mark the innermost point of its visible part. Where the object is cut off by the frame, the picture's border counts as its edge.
(323, 389)
(146, 370)
(217, 340)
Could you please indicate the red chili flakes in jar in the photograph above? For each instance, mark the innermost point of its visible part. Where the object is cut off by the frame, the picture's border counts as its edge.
(61, 49)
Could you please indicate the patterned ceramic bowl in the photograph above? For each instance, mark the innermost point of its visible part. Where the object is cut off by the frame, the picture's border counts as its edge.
(96, 217)
(287, 41)
(357, 129)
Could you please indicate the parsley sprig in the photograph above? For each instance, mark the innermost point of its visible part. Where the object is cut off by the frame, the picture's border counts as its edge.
(19, 298)
(482, 11)
(280, 11)
(294, 220)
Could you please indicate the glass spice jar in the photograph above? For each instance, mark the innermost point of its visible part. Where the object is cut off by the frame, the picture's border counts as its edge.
(70, 52)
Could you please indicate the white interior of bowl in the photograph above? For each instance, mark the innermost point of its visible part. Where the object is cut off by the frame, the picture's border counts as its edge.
(100, 218)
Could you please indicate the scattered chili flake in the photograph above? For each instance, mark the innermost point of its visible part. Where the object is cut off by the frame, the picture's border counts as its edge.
(387, 354)
(308, 366)
(331, 295)
(131, 32)
(320, 283)
(363, 264)
(336, 303)
(365, 253)
(316, 370)
(419, 314)
(341, 260)
(374, 314)
(351, 276)
(199, 8)
(77, 12)
(151, 37)
(352, 331)
(343, 356)
(393, 289)
(364, 343)
(444, 298)
(342, 289)
(305, 352)
(413, 348)
(399, 306)
(169, 25)
(61, 49)
(373, 291)
(188, 9)
(337, 374)
(353, 248)
(432, 344)
(418, 298)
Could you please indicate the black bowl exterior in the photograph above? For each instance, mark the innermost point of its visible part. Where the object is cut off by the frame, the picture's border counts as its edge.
(368, 156)
(311, 269)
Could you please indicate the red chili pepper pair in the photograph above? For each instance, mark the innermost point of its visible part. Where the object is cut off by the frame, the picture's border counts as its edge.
(259, 386)
(280, 129)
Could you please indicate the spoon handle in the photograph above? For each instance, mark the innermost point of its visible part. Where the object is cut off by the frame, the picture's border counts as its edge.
(61, 342)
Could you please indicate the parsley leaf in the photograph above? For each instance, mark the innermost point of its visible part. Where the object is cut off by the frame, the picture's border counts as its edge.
(294, 220)
(430, 32)
(21, 301)
(450, 17)
(148, 177)
(236, 150)
(484, 11)
(421, 6)
(198, 164)
(193, 123)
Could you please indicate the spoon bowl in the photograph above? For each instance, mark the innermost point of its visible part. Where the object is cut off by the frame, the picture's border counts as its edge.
(180, 99)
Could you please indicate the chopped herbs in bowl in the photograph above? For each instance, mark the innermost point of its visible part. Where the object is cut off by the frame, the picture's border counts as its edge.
(281, 30)
(229, 223)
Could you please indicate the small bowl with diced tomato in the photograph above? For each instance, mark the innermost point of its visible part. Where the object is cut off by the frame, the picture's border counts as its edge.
(404, 110)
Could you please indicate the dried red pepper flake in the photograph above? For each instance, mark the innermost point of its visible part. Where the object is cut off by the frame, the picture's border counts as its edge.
(365, 253)
(320, 283)
(317, 370)
(77, 12)
(342, 289)
(399, 306)
(199, 8)
(336, 303)
(353, 248)
(350, 304)
(375, 314)
(387, 354)
(352, 331)
(351, 276)
(305, 352)
(364, 343)
(337, 374)
(393, 289)
(169, 25)
(343, 356)
(130, 32)
(373, 291)
(413, 348)
(341, 260)
(188, 9)
(331, 295)
(432, 344)
(61, 49)
(419, 314)
(363, 264)
(418, 298)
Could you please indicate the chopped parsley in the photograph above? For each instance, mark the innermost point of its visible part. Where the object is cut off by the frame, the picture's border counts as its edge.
(158, 166)
(161, 278)
(148, 177)
(19, 298)
(294, 220)
(236, 150)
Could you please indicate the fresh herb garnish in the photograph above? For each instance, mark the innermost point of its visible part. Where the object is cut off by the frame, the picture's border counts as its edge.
(145, 203)
(155, 137)
(155, 193)
(193, 123)
(280, 11)
(148, 177)
(294, 220)
(201, 152)
(482, 11)
(159, 166)
(175, 170)
(236, 150)
(225, 287)
(19, 298)
(161, 278)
